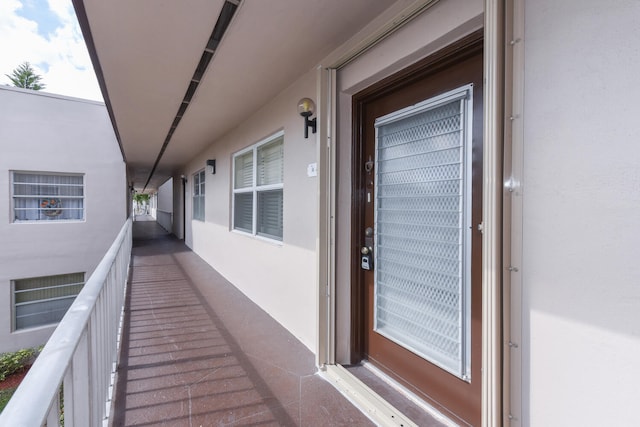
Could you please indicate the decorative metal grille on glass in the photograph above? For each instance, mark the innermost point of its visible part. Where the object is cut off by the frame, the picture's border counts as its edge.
(421, 230)
(48, 197)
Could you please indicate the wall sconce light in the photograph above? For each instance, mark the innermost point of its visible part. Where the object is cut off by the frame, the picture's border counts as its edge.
(183, 178)
(211, 166)
(306, 108)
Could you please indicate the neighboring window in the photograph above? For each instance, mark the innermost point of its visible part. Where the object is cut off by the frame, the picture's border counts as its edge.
(257, 188)
(44, 300)
(48, 197)
(198, 196)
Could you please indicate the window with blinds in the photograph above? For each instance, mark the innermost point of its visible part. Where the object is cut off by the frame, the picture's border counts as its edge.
(422, 229)
(198, 196)
(47, 197)
(44, 300)
(258, 188)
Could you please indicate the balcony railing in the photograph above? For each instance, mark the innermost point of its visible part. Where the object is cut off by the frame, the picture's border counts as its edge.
(78, 362)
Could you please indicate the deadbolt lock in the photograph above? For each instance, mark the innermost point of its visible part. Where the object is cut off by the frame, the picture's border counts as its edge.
(366, 260)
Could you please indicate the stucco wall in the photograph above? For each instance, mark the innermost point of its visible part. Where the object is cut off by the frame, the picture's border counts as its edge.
(280, 277)
(49, 133)
(581, 226)
(164, 213)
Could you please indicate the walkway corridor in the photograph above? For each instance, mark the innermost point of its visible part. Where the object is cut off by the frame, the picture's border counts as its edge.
(196, 352)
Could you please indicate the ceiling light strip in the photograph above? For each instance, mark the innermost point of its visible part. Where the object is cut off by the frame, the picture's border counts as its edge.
(224, 19)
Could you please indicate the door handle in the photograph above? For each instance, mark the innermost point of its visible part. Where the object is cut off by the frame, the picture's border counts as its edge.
(366, 252)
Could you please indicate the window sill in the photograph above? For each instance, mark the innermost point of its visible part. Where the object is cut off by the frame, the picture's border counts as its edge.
(33, 329)
(57, 221)
(273, 242)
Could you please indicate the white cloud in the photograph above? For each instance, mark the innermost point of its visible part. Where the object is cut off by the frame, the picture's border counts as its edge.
(61, 58)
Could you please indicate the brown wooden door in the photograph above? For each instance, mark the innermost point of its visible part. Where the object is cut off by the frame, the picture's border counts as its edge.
(421, 198)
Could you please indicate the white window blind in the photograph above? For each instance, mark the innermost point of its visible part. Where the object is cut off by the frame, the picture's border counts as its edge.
(244, 170)
(243, 192)
(44, 300)
(269, 222)
(47, 197)
(258, 189)
(198, 196)
(270, 165)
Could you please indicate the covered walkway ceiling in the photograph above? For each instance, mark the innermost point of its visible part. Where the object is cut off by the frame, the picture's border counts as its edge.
(146, 53)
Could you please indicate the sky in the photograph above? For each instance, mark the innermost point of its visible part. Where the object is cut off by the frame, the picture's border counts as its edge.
(46, 34)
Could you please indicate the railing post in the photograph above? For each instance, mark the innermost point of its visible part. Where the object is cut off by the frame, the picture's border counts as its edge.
(53, 417)
(81, 353)
(80, 389)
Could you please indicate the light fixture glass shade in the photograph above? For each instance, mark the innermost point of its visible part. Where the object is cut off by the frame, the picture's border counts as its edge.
(306, 107)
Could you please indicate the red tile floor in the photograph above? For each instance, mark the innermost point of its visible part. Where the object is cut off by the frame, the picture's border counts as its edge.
(196, 352)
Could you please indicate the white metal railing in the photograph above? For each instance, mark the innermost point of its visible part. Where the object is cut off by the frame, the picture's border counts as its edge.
(80, 358)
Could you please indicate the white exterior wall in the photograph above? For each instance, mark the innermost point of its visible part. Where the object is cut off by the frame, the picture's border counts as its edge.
(49, 133)
(282, 279)
(164, 210)
(279, 277)
(153, 205)
(581, 213)
(581, 281)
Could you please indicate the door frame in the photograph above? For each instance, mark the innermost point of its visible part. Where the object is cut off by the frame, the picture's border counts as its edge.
(498, 391)
(494, 379)
(466, 47)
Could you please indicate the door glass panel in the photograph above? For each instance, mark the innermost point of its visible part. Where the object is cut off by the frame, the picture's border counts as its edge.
(422, 230)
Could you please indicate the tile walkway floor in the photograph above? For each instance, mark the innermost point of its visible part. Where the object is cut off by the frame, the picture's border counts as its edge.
(196, 352)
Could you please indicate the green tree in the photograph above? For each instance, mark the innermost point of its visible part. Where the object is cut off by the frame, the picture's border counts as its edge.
(141, 198)
(140, 202)
(25, 77)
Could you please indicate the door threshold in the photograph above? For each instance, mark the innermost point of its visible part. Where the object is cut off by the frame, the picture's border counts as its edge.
(372, 404)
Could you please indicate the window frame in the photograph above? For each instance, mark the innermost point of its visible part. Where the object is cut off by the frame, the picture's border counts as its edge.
(255, 189)
(51, 219)
(14, 304)
(201, 193)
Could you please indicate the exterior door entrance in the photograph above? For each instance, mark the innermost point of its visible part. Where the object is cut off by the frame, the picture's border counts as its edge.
(419, 254)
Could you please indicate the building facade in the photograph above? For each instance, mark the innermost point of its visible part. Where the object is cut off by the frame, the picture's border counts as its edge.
(63, 186)
(463, 214)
